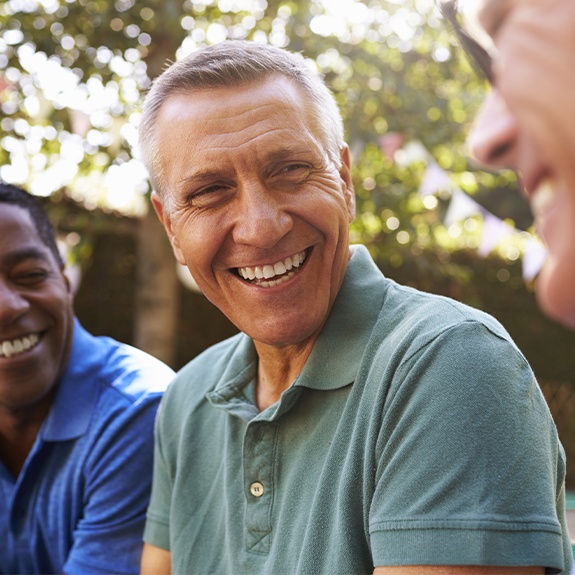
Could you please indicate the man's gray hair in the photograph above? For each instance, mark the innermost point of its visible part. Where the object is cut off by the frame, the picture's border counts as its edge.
(235, 63)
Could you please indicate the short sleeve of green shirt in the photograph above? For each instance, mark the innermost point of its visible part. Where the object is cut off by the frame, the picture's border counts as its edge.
(459, 474)
(158, 518)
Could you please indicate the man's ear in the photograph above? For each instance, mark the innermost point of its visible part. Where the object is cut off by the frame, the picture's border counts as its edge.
(345, 174)
(164, 217)
(67, 281)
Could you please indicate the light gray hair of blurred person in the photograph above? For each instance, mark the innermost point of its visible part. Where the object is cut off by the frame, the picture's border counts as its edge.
(236, 63)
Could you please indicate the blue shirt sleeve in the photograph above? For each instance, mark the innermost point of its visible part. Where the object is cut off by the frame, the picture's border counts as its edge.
(117, 475)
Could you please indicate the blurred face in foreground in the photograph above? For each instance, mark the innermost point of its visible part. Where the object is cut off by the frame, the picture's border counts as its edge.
(528, 124)
(256, 210)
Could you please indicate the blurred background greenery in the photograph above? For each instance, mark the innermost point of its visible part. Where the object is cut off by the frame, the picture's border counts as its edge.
(72, 76)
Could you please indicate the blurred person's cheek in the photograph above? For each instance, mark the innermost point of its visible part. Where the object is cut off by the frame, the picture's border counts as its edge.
(535, 72)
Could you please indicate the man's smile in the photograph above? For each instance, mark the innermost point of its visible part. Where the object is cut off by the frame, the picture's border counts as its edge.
(270, 275)
(10, 348)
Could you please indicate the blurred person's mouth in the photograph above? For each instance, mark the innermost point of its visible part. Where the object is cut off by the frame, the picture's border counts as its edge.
(541, 199)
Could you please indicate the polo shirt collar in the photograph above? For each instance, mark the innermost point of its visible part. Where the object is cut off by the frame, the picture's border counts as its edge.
(77, 392)
(337, 353)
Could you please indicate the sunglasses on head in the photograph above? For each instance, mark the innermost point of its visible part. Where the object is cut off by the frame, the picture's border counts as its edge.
(479, 57)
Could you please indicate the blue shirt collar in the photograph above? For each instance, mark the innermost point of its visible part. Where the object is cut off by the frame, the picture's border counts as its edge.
(76, 395)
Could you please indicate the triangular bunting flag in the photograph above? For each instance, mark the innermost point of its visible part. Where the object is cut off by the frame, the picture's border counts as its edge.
(534, 254)
(461, 207)
(494, 230)
(434, 180)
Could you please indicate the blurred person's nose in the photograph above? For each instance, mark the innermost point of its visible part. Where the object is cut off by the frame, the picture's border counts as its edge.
(493, 137)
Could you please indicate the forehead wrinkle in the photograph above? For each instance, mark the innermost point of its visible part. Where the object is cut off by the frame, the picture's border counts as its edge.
(228, 113)
(268, 155)
(265, 134)
(217, 136)
(252, 119)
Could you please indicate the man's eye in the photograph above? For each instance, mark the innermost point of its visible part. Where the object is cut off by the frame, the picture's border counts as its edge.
(209, 195)
(295, 167)
(293, 172)
(31, 277)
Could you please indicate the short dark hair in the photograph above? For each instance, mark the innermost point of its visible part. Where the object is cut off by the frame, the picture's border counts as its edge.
(10, 194)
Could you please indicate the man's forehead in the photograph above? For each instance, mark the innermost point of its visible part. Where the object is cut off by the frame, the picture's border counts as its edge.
(20, 254)
(20, 238)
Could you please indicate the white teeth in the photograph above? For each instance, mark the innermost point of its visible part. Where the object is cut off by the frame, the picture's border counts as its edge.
(13, 347)
(280, 271)
(541, 199)
(278, 281)
(247, 273)
(269, 272)
(7, 349)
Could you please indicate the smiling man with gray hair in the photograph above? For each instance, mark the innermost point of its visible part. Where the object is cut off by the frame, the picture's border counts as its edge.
(353, 425)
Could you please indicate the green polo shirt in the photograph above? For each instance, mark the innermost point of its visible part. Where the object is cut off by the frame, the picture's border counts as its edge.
(415, 434)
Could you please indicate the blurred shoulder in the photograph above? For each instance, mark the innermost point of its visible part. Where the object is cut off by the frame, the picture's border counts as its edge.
(132, 372)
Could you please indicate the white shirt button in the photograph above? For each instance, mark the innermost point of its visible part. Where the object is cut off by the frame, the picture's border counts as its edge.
(256, 489)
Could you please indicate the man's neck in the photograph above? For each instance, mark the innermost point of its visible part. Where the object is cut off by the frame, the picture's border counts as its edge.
(18, 431)
(278, 367)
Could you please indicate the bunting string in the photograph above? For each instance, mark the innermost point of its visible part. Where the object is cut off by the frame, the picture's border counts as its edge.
(436, 181)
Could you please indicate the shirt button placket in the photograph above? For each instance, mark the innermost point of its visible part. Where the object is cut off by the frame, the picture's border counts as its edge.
(259, 447)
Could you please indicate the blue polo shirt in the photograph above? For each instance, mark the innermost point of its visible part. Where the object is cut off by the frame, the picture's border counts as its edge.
(79, 502)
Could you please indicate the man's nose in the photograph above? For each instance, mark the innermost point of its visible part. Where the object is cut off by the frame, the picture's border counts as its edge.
(262, 218)
(12, 303)
(493, 137)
